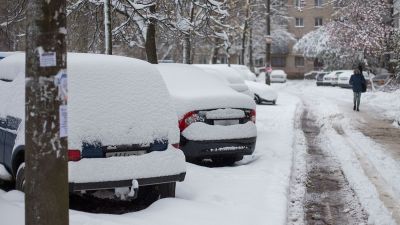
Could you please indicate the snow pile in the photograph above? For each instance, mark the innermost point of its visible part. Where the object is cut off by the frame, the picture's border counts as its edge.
(202, 131)
(154, 164)
(194, 89)
(4, 174)
(386, 103)
(245, 72)
(225, 114)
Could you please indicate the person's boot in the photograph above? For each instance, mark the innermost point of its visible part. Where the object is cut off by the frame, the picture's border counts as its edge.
(354, 108)
(358, 109)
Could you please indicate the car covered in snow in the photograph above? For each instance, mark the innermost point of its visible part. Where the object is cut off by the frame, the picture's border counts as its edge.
(331, 79)
(122, 127)
(215, 121)
(5, 54)
(245, 72)
(344, 78)
(263, 93)
(230, 76)
(320, 78)
(278, 76)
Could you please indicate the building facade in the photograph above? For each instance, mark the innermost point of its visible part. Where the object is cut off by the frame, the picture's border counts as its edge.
(305, 16)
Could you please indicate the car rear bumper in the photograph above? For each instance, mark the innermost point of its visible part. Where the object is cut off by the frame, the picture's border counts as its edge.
(73, 187)
(204, 149)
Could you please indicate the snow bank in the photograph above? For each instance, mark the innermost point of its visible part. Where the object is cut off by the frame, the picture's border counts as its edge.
(194, 89)
(202, 131)
(154, 164)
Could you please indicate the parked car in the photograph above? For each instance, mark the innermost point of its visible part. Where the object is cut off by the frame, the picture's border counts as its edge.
(121, 125)
(262, 93)
(5, 54)
(381, 80)
(278, 76)
(332, 78)
(344, 78)
(215, 121)
(245, 72)
(320, 78)
(229, 75)
(312, 75)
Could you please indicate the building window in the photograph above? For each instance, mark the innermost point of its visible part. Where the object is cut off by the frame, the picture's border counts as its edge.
(299, 61)
(318, 21)
(299, 3)
(299, 22)
(278, 61)
(319, 3)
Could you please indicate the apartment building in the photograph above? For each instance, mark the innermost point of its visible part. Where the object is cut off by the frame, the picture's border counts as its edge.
(305, 16)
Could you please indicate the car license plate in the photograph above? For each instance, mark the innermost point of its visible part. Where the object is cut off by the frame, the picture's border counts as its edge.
(124, 153)
(226, 122)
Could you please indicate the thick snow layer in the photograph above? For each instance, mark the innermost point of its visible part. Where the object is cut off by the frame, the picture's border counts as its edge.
(262, 90)
(154, 164)
(245, 72)
(192, 88)
(112, 99)
(225, 114)
(202, 131)
(254, 191)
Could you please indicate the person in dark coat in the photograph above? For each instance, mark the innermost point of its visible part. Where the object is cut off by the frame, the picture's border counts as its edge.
(357, 81)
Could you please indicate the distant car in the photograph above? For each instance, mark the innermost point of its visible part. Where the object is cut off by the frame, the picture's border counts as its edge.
(344, 78)
(245, 72)
(381, 80)
(215, 121)
(312, 75)
(121, 125)
(320, 78)
(262, 93)
(230, 76)
(332, 78)
(278, 76)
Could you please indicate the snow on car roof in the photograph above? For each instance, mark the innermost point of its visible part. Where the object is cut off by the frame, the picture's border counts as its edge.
(194, 89)
(224, 71)
(112, 99)
(278, 72)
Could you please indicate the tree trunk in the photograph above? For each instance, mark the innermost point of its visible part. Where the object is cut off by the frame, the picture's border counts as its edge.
(46, 171)
(186, 49)
(244, 34)
(107, 27)
(214, 55)
(268, 45)
(150, 45)
(251, 60)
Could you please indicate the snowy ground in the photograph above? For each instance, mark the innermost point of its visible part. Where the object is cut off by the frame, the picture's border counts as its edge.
(256, 190)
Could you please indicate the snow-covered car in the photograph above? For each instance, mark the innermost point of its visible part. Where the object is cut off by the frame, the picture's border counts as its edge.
(278, 76)
(320, 78)
(344, 78)
(229, 75)
(332, 78)
(262, 93)
(215, 121)
(5, 54)
(122, 127)
(245, 72)
(311, 75)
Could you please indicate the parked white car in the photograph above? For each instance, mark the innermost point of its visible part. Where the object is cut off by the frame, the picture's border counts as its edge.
(215, 121)
(332, 78)
(229, 75)
(245, 72)
(121, 124)
(278, 76)
(262, 93)
(344, 78)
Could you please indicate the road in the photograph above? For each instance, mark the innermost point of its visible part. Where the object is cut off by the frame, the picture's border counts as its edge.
(353, 159)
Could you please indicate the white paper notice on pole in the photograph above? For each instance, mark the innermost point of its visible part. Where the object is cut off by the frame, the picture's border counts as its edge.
(63, 121)
(48, 59)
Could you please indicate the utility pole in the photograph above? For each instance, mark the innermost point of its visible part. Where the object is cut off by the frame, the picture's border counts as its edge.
(107, 27)
(46, 171)
(268, 43)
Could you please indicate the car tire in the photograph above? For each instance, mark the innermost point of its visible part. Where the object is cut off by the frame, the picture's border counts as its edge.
(257, 99)
(20, 178)
(167, 190)
(274, 102)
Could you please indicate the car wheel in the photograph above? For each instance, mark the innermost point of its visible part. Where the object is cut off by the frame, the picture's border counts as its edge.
(257, 99)
(20, 178)
(167, 190)
(274, 102)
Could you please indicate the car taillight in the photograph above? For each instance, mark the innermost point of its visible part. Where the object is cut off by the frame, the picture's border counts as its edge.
(189, 118)
(74, 155)
(176, 145)
(253, 115)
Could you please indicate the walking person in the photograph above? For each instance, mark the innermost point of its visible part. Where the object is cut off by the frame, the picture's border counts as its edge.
(357, 81)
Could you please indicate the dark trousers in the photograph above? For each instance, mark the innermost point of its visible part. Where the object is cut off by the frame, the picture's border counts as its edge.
(357, 98)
